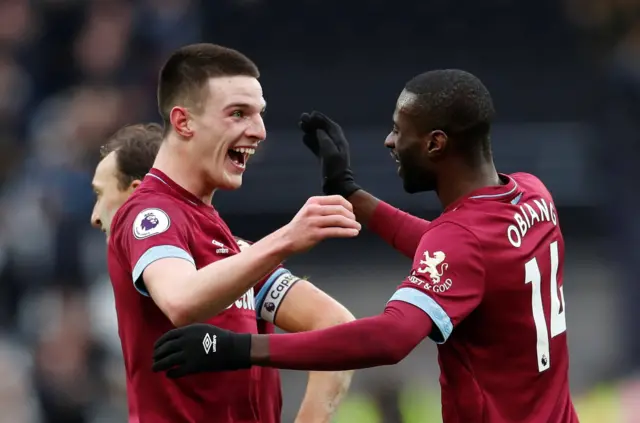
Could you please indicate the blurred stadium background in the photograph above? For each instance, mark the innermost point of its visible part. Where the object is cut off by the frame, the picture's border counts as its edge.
(565, 75)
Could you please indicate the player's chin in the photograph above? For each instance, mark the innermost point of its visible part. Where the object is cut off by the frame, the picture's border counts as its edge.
(412, 185)
(231, 181)
(410, 188)
(406, 181)
(232, 176)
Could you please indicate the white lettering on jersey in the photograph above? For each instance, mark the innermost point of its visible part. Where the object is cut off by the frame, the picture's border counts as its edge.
(531, 213)
(221, 248)
(558, 322)
(246, 302)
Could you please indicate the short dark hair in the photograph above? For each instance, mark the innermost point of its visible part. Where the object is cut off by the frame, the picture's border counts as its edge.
(456, 102)
(136, 147)
(188, 70)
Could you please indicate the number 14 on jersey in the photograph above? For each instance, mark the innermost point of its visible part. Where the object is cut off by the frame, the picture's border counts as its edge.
(558, 322)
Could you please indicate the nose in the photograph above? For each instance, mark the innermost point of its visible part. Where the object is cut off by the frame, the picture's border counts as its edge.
(390, 141)
(257, 129)
(95, 220)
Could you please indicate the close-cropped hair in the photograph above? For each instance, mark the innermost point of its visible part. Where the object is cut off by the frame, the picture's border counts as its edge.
(188, 69)
(136, 147)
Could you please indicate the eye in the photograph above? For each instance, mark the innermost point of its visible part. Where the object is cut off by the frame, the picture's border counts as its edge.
(238, 114)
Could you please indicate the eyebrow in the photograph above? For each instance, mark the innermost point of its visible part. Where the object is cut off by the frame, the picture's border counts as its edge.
(240, 105)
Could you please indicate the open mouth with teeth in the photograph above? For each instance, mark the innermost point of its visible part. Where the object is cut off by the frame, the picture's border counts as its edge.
(395, 157)
(239, 156)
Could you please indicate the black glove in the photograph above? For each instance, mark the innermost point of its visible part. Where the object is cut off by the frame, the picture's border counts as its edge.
(201, 348)
(326, 140)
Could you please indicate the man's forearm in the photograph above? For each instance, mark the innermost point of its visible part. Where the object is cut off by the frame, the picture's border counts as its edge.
(373, 341)
(325, 390)
(364, 205)
(214, 287)
(399, 229)
(304, 308)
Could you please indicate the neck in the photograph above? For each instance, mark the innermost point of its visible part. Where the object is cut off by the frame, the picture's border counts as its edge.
(178, 165)
(462, 180)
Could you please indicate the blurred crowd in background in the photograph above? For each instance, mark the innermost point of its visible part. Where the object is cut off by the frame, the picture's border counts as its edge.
(565, 76)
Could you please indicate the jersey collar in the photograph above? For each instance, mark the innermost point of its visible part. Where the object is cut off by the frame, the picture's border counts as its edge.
(160, 176)
(507, 192)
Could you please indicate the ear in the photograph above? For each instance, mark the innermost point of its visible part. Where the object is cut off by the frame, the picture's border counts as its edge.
(181, 122)
(135, 184)
(436, 142)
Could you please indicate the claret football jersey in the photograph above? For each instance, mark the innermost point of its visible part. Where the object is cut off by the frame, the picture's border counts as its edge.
(162, 220)
(489, 273)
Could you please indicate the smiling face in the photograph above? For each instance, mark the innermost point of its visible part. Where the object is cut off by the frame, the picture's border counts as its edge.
(211, 103)
(410, 147)
(226, 130)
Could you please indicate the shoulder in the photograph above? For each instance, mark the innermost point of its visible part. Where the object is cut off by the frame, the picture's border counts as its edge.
(529, 182)
(148, 213)
(450, 235)
(449, 225)
(524, 177)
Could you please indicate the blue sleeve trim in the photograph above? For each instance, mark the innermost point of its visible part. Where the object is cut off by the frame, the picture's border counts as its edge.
(154, 254)
(430, 307)
(266, 287)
